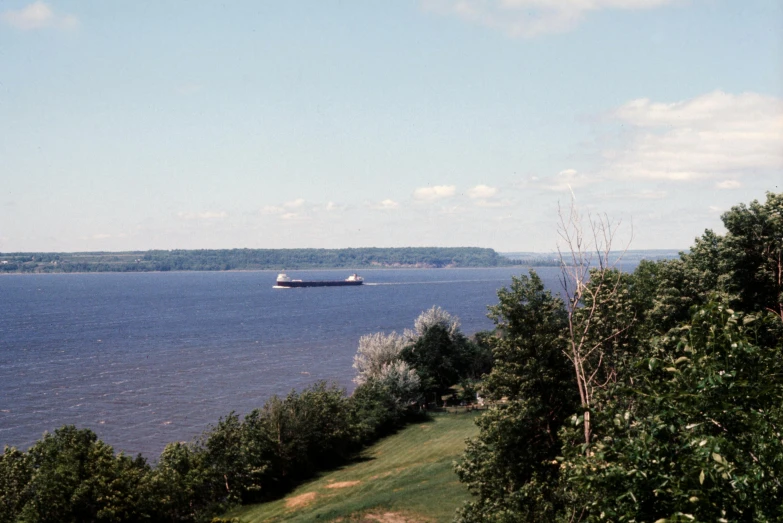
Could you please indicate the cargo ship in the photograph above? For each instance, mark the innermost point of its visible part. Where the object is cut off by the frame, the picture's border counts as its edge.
(285, 282)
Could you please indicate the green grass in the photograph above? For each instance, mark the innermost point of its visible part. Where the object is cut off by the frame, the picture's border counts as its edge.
(409, 473)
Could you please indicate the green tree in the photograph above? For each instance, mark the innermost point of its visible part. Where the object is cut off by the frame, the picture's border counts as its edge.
(379, 407)
(480, 358)
(690, 429)
(746, 264)
(693, 435)
(440, 358)
(15, 474)
(752, 255)
(77, 478)
(510, 467)
(303, 432)
(225, 458)
(681, 364)
(180, 484)
(686, 283)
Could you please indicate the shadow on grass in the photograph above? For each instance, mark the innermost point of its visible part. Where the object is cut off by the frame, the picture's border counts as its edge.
(410, 475)
(357, 456)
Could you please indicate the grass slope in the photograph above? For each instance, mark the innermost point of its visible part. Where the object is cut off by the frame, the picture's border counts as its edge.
(409, 474)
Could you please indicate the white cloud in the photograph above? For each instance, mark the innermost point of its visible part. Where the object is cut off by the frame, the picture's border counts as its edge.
(38, 15)
(565, 180)
(648, 195)
(728, 184)
(284, 208)
(386, 205)
(101, 236)
(436, 192)
(454, 209)
(206, 215)
(530, 18)
(272, 209)
(710, 136)
(213, 215)
(645, 194)
(493, 203)
(482, 192)
(334, 207)
(486, 196)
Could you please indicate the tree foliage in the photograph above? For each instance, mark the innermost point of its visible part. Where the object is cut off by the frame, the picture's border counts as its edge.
(74, 477)
(441, 355)
(510, 467)
(695, 437)
(430, 318)
(425, 362)
(251, 259)
(376, 351)
(753, 255)
(683, 362)
(15, 474)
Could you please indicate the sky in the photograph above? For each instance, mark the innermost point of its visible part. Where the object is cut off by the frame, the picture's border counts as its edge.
(335, 123)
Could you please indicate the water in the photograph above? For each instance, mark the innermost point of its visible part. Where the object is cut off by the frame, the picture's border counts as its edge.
(147, 359)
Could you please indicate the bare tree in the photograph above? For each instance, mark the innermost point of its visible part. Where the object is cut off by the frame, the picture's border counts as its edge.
(589, 281)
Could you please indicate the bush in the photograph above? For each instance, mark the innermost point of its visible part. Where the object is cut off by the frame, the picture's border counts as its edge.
(697, 437)
(72, 476)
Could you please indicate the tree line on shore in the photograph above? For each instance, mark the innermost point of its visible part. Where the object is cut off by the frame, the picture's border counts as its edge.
(253, 259)
(655, 395)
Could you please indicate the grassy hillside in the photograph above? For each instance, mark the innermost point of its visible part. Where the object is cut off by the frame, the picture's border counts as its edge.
(407, 477)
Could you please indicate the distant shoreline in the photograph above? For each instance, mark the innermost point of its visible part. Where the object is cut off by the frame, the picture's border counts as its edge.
(252, 259)
(275, 271)
(225, 260)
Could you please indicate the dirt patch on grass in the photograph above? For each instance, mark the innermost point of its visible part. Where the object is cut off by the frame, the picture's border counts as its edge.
(390, 472)
(343, 484)
(391, 517)
(301, 500)
(384, 475)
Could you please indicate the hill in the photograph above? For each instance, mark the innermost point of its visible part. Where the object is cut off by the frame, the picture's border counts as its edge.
(251, 259)
(405, 478)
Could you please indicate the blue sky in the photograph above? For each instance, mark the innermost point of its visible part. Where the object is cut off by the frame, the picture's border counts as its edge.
(143, 125)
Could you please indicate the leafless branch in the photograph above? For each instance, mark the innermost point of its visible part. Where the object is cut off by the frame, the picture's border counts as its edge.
(577, 248)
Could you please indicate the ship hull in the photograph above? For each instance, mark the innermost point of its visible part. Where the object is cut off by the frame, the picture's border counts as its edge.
(323, 283)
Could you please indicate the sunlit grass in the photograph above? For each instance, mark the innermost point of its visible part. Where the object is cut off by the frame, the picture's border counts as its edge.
(410, 473)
